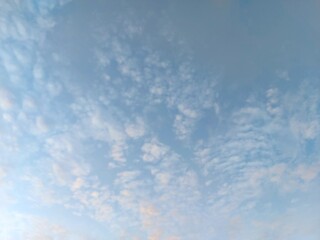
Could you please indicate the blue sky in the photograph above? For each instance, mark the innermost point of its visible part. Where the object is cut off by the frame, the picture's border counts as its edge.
(159, 120)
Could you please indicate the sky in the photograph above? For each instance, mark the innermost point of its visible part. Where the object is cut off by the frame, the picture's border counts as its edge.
(159, 120)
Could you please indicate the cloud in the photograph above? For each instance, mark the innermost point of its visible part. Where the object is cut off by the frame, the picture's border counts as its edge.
(41, 125)
(238, 164)
(67, 165)
(182, 126)
(307, 172)
(25, 25)
(71, 173)
(100, 125)
(7, 117)
(147, 210)
(61, 173)
(294, 223)
(6, 99)
(126, 177)
(187, 111)
(135, 130)
(307, 130)
(36, 227)
(283, 74)
(273, 102)
(93, 202)
(153, 151)
(163, 178)
(117, 152)
(3, 172)
(41, 193)
(78, 184)
(2, 175)
(54, 88)
(66, 180)
(163, 82)
(29, 104)
(110, 149)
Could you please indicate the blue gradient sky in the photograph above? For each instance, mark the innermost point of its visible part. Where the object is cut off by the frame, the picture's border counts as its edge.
(159, 120)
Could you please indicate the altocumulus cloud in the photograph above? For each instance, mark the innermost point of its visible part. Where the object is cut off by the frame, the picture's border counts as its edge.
(159, 120)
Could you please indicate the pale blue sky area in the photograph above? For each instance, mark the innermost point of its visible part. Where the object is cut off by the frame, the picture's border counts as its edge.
(159, 120)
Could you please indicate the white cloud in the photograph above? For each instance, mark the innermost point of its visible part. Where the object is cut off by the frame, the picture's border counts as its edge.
(54, 88)
(61, 173)
(126, 177)
(34, 227)
(102, 59)
(78, 184)
(98, 124)
(148, 210)
(41, 192)
(307, 172)
(167, 82)
(87, 195)
(6, 99)
(153, 151)
(283, 74)
(182, 126)
(67, 171)
(273, 107)
(60, 146)
(163, 178)
(135, 130)
(188, 180)
(25, 34)
(3, 174)
(29, 104)
(38, 72)
(150, 220)
(156, 90)
(300, 222)
(175, 195)
(305, 129)
(187, 111)
(91, 199)
(7, 117)
(239, 163)
(118, 152)
(41, 125)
